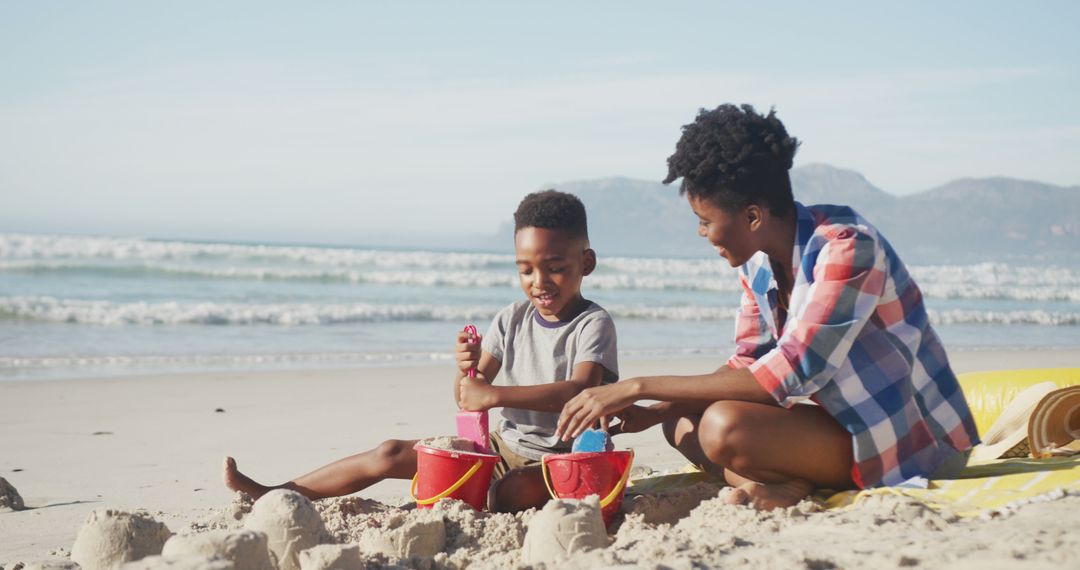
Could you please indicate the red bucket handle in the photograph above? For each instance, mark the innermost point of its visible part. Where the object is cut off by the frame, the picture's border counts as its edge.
(604, 502)
(464, 479)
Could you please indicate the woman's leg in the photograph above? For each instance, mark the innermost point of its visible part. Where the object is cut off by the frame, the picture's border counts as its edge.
(392, 459)
(773, 456)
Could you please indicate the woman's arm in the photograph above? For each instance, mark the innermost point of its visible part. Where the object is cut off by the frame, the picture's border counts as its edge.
(682, 393)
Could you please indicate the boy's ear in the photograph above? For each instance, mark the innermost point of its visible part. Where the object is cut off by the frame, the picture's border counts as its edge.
(590, 261)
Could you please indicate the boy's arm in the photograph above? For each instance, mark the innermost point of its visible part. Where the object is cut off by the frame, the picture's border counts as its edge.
(548, 397)
(486, 371)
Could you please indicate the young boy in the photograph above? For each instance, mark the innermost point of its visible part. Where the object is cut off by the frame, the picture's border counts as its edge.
(829, 317)
(548, 348)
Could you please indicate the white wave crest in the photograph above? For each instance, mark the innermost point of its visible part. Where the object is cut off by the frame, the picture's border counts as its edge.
(32, 246)
(421, 278)
(171, 313)
(77, 311)
(1037, 317)
(199, 360)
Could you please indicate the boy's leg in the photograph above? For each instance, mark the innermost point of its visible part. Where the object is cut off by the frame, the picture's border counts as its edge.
(392, 459)
(520, 489)
(519, 481)
(773, 456)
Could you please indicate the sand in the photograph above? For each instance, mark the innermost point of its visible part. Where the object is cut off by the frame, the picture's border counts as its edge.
(10, 499)
(71, 447)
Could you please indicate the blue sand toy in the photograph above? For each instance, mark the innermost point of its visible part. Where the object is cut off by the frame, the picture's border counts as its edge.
(592, 440)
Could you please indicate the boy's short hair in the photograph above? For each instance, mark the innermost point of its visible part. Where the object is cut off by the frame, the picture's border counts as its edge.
(734, 157)
(553, 210)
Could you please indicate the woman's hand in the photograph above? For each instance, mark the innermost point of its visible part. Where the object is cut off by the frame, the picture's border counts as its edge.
(633, 419)
(590, 405)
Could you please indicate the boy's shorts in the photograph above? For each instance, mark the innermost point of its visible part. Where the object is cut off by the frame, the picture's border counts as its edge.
(507, 459)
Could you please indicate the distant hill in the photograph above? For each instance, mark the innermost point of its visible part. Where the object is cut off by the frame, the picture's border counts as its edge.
(966, 220)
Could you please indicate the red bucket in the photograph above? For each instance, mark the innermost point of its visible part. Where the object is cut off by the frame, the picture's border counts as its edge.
(442, 474)
(578, 475)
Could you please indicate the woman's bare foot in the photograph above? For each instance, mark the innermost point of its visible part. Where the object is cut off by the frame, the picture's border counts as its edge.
(241, 483)
(769, 496)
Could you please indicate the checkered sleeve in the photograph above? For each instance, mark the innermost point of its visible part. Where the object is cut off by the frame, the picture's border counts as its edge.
(848, 280)
(752, 337)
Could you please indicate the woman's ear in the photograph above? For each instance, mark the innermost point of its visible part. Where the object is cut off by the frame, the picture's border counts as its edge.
(754, 216)
(590, 261)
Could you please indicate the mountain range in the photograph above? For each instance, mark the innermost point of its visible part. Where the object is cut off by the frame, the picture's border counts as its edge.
(964, 221)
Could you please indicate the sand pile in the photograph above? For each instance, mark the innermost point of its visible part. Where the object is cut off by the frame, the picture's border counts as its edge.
(331, 557)
(110, 538)
(48, 565)
(450, 535)
(449, 443)
(186, 563)
(10, 500)
(686, 528)
(669, 507)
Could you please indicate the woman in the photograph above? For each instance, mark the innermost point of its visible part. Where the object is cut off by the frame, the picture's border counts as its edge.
(838, 379)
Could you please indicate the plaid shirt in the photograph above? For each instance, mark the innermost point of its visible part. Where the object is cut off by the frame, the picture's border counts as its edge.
(857, 342)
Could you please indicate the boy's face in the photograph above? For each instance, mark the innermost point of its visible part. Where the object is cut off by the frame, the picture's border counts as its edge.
(731, 234)
(551, 266)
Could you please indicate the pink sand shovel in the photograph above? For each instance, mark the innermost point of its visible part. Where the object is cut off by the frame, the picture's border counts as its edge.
(473, 426)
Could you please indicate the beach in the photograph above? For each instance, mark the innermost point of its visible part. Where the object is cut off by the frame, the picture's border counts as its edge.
(156, 442)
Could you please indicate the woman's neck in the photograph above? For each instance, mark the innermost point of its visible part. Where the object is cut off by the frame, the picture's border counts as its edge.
(780, 246)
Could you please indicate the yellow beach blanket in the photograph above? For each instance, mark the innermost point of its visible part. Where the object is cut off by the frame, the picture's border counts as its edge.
(983, 489)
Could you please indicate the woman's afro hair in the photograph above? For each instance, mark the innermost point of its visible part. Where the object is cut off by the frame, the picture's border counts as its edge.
(734, 156)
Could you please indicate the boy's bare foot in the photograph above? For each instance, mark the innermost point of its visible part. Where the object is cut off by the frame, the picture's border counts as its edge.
(769, 496)
(241, 483)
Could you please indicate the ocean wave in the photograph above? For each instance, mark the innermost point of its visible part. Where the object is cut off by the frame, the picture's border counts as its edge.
(211, 360)
(76, 311)
(107, 313)
(53, 250)
(502, 278)
(972, 317)
(33, 246)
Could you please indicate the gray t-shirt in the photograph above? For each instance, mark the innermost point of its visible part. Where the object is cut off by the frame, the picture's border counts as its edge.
(534, 351)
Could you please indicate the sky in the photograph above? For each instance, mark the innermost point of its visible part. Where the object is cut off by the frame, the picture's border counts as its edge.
(335, 121)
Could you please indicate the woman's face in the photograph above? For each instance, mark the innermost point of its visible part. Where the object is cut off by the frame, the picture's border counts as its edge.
(731, 234)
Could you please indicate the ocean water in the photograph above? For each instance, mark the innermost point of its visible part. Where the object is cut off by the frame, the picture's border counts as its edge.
(75, 306)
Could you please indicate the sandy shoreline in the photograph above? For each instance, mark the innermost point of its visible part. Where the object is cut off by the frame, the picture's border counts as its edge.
(156, 442)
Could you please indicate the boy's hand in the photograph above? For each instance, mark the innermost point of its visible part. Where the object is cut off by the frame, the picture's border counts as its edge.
(467, 353)
(633, 419)
(591, 404)
(475, 394)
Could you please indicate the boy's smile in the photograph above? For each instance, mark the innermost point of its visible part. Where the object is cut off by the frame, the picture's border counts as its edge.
(551, 265)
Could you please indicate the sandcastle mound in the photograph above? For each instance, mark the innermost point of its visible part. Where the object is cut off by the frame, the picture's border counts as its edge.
(246, 549)
(564, 528)
(420, 534)
(291, 525)
(110, 538)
